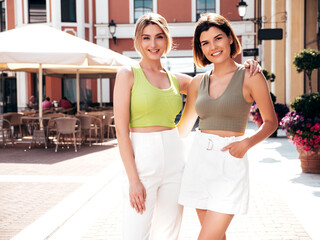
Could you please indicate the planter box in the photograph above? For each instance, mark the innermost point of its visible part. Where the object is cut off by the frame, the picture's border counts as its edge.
(310, 161)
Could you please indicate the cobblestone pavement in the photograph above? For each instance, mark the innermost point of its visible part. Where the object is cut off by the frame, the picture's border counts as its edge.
(67, 195)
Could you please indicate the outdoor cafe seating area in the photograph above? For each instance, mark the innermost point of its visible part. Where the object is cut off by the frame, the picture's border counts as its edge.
(57, 128)
(51, 52)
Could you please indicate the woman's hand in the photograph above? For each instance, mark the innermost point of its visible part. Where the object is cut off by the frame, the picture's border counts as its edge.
(137, 193)
(253, 66)
(237, 149)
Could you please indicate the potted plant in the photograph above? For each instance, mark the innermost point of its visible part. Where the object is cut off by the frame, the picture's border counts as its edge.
(303, 128)
(280, 109)
(254, 110)
(307, 60)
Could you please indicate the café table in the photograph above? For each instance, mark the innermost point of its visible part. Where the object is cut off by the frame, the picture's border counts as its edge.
(37, 127)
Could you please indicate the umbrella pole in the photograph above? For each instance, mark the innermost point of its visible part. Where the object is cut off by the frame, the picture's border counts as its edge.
(40, 94)
(100, 91)
(78, 90)
(40, 89)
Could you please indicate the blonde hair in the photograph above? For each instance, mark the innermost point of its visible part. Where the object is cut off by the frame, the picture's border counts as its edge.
(145, 20)
(205, 22)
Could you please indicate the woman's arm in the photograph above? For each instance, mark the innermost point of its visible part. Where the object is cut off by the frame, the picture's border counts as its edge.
(256, 89)
(260, 93)
(189, 114)
(184, 81)
(122, 93)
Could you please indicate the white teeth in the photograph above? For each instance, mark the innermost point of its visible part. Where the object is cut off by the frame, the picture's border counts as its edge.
(153, 51)
(215, 54)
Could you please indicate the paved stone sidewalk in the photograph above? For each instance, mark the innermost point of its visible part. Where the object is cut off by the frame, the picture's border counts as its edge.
(269, 217)
(34, 181)
(67, 195)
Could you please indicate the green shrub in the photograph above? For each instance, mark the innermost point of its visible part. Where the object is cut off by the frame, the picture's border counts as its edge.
(307, 60)
(268, 75)
(307, 105)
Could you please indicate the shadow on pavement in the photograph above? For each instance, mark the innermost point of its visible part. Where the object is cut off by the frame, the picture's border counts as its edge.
(308, 179)
(269, 160)
(20, 153)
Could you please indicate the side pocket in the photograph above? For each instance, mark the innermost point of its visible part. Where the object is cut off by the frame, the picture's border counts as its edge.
(234, 167)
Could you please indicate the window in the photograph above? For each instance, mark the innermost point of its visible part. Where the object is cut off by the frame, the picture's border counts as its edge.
(37, 11)
(141, 7)
(2, 17)
(204, 6)
(69, 91)
(68, 11)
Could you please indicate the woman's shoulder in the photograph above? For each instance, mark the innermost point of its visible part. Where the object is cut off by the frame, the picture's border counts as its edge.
(125, 72)
(127, 69)
(196, 80)
(257, 80)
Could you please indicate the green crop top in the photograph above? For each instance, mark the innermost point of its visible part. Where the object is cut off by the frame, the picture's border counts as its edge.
(228, 112)
(151, 106)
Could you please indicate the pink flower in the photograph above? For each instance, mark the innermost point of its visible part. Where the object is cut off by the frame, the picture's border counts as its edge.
(307, 148)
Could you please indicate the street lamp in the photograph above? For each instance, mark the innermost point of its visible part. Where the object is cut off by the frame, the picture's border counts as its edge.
(263, 34)
(112, 30)
(242, 8)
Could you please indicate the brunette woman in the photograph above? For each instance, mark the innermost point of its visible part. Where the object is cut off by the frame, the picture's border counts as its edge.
(216, 178)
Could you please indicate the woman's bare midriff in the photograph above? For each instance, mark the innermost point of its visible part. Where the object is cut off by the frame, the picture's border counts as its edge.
(150, 129)
(222, 133)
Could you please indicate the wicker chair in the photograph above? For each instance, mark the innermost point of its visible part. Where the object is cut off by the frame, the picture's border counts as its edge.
(15, 121)
(68, 126)
(88, 124)
(111, 128)
(5, 128)
(104, 116)
(51, 127)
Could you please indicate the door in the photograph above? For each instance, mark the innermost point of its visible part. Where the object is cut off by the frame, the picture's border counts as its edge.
(8, 94)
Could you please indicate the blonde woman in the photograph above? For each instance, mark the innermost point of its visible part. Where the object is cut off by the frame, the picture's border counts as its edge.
(146, 102)
(216, 180)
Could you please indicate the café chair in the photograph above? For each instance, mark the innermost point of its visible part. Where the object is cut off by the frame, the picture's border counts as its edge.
(68, 126)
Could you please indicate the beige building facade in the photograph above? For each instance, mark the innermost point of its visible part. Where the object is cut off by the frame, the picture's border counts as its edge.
(299, 20)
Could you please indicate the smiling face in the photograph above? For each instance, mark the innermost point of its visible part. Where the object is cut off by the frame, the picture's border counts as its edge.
(215, 45)
(153, 42)
(151, 33)
(207, 31)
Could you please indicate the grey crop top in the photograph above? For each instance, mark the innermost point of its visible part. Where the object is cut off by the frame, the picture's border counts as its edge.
(228, 112)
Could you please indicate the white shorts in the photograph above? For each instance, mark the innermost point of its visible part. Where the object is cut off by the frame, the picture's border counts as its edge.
(215, 180)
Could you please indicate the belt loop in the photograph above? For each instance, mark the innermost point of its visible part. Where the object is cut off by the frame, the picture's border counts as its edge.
(210, 144)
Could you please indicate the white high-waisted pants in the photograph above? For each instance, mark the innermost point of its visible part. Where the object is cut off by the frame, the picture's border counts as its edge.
(160, 161)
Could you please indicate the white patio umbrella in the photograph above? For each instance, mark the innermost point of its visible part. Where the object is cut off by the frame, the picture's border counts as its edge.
(38, 48)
